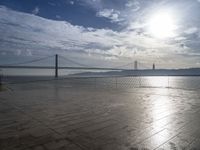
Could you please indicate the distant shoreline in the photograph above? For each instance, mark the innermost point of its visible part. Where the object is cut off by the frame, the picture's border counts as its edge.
(124, 73)
(148, 72)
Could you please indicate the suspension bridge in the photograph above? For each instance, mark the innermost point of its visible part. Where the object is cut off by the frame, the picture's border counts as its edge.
(56, 66)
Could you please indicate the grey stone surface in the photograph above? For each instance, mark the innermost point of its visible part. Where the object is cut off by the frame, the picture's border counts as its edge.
(57, 116)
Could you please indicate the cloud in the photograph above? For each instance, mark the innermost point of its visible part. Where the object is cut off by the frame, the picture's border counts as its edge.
(134, 5)
(95, 4)
(58, 16)
(191, 30)
(71, 2)
(36, 10)
(34, 35)
(39, 33)
(111, 14)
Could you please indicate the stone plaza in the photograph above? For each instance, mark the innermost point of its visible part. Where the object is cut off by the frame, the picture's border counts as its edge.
(55, 115)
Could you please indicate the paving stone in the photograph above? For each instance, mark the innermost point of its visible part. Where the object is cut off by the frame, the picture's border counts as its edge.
(56, 116)
(38, 148)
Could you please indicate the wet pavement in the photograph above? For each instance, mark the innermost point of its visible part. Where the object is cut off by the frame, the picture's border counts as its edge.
(57, 116)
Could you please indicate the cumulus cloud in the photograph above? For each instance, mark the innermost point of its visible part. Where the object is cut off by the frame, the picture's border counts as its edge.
(111, 14)
(40, 33)
(71, 2)
(134, 5)
(36, 10)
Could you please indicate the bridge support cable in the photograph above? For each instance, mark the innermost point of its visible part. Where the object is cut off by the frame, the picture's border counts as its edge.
(27, 62)
(123, 66)
(74, 62)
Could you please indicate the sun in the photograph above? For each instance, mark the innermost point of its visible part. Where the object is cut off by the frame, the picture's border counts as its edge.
(162, 25)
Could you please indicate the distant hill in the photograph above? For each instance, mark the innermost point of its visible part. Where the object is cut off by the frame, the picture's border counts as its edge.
(148, 72)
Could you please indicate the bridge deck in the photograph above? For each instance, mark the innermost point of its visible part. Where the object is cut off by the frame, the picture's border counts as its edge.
(57, 116)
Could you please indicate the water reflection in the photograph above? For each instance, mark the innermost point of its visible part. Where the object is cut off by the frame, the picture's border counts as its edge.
(157, 81)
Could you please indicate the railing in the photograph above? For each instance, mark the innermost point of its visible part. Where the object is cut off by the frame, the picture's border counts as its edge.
(113, 82)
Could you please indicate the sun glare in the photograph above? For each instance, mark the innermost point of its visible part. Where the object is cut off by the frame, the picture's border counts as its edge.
(162, 25)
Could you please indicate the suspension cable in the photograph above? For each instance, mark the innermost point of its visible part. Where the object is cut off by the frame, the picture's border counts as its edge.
(28, 62)
(72, 61)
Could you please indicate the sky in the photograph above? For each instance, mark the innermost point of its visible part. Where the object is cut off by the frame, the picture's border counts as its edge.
(104, 33)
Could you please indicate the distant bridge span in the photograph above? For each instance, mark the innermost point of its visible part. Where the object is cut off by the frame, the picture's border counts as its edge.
(53, 67)
(22, 65)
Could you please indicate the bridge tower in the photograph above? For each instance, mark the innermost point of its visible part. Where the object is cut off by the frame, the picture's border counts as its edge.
(135, 65)
(56, 66)
(154, 67)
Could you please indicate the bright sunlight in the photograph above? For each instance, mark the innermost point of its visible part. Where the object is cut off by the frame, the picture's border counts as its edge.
(162, 25)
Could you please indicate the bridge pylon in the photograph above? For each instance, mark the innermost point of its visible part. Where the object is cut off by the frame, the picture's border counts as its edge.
(56, 66)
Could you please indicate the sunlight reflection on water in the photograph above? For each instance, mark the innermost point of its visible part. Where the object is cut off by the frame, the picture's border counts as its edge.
(157, 81)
